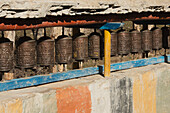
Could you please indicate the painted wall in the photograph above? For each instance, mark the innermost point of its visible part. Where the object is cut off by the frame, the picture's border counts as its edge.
(138, 90)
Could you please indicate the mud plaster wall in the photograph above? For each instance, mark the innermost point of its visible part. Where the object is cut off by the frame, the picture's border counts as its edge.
(137, 90)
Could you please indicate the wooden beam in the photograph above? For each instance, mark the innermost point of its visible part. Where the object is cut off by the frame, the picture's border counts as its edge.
(54, 77)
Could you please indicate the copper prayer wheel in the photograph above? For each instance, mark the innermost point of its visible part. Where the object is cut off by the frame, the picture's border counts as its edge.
(63, 45)
(146, 40)
(45, 51)
(136, 41)
(6, 54)
(26, 52)
(156, 38)
(124, 43)
(80, 47)
(94, 45)
(113, 44)
(165, 34)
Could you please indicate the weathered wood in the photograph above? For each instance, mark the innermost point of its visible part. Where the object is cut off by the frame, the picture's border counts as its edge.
(75, 31)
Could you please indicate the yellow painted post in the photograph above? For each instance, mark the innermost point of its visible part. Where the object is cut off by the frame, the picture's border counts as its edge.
(107, 51)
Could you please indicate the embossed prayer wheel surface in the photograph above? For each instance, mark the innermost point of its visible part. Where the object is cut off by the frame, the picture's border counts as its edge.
(113, 44)
(80, 47)
(146, 40)
(156, 38)
(165, 34)
(45, 51)
(26, 53)
(136, 41)
(94, 45)
(6, 54)
(124, 43)
(63, 49)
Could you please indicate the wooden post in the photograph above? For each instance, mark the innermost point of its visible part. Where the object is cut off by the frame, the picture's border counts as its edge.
(75, 31)
(145, 26)
(107, 52)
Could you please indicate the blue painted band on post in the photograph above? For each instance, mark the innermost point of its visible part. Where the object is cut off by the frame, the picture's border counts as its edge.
(54, 77)
(112, 26)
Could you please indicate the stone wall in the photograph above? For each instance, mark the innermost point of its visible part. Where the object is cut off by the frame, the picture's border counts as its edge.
(138, 90)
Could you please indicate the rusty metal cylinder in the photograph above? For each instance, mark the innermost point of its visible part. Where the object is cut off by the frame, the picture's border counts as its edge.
(156, 38)
(63, 45)
(6, 54)
(80, 47)
(146, 40)
(136, 41)
(124, 43)
(26, 52)
(94, 45)
(165, 34)
(45, 51)
(113, 44)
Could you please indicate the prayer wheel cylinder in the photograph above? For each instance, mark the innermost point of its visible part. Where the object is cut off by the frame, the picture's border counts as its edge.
(45, 51)
(124, 43)
(63, 49)
(26, 52)
(146, 40)
(6, 54)
(156, 38)
(94, 45)
(80, 47)
(136, 41)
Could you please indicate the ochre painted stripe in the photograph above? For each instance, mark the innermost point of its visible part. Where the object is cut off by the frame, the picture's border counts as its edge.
(14, 107)
(144, 93)
(2, 109)
(73, 100)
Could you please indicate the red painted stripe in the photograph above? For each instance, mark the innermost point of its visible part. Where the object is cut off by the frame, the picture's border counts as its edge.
(73, 100)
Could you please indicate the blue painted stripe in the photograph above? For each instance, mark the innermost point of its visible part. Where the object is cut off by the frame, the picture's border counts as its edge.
(136, 63)
(42, 79)
(53, 77)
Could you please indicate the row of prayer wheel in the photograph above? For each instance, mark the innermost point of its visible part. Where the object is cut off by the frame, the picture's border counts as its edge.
(123, 42)
(30, 53)
(45, 51)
